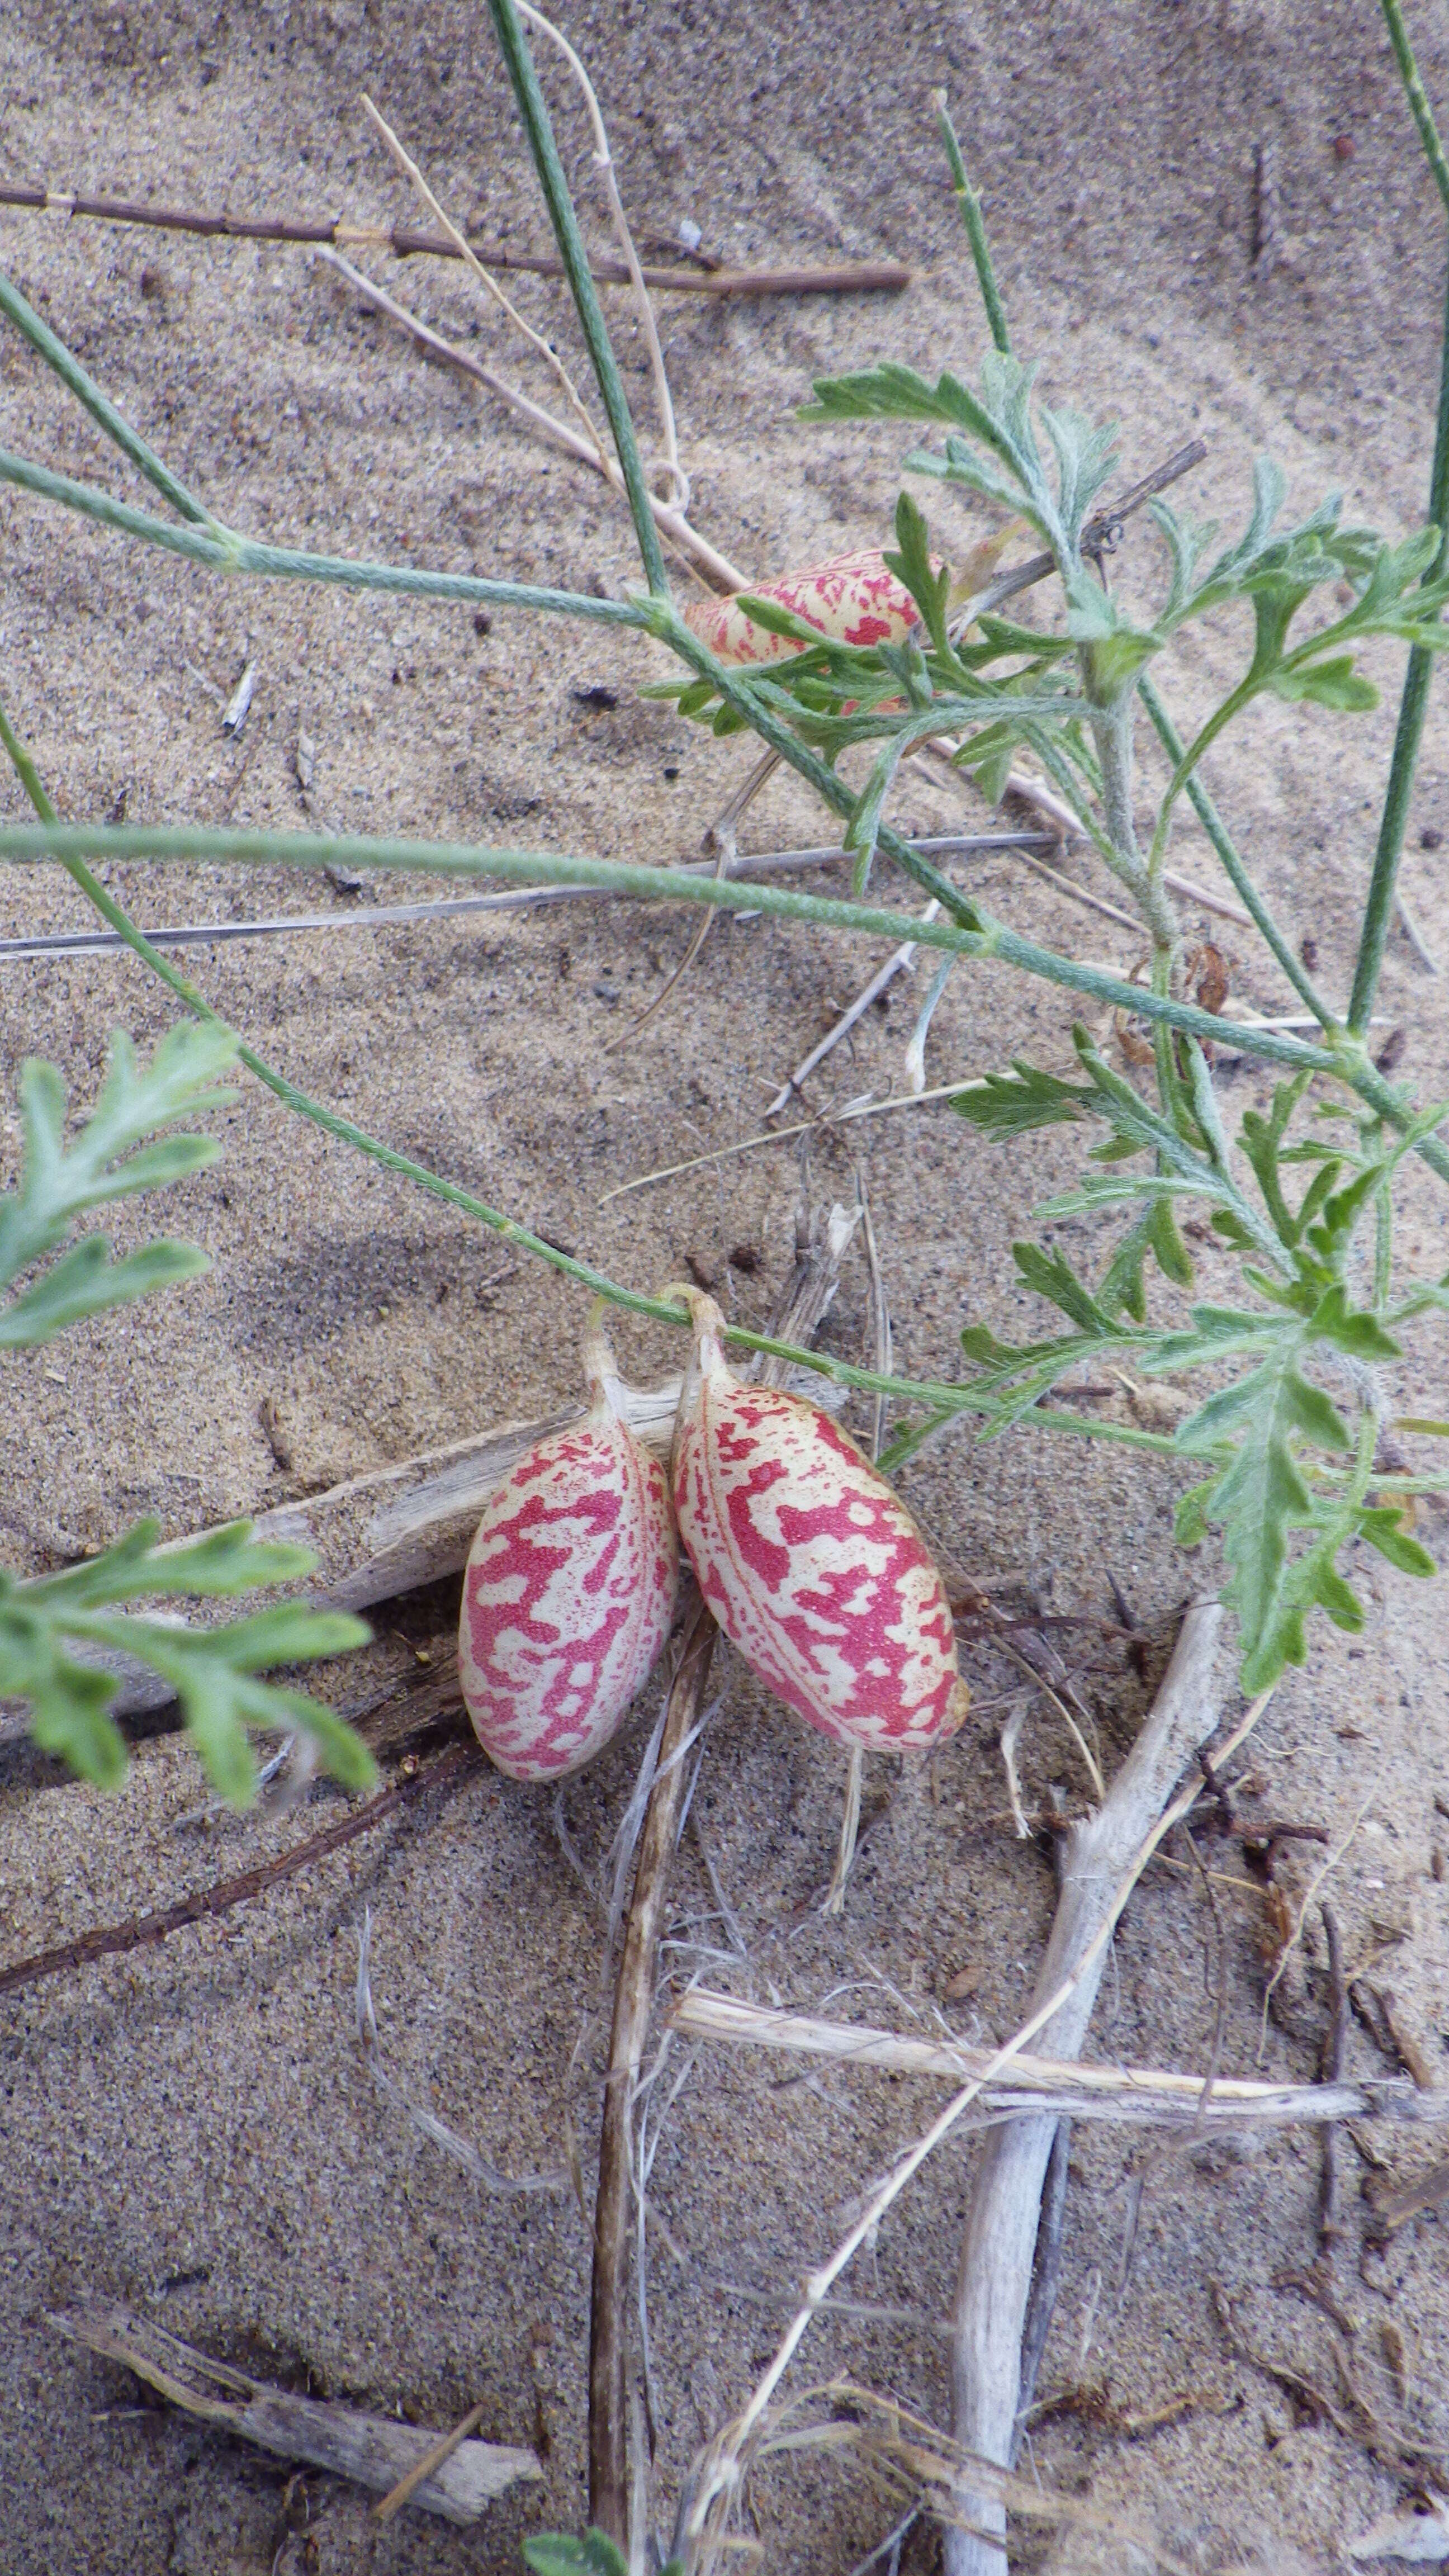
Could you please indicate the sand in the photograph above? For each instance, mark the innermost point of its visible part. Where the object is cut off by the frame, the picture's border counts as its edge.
(193, 2130)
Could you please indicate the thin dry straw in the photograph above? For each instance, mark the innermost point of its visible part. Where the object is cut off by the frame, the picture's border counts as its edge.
(95, 943)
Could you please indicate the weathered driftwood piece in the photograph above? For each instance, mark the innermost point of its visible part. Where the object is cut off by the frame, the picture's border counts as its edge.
(1005, 2206)
(1138, 2095)
(372, 2450)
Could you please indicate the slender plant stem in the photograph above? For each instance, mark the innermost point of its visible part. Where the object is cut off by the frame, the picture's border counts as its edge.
(173, 843)
(947, 1399)
(221, 550)
(57, 356)
(1417, 97)
(513, 45)
(1379, 909)
(1242, 883)
(971, 216)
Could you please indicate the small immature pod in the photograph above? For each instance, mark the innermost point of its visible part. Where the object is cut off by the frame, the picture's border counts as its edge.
(569, 1590)
(809, 1560)
(854, 599)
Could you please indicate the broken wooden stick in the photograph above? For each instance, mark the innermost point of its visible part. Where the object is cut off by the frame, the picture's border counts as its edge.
(372, 2450)
(1006, 2196)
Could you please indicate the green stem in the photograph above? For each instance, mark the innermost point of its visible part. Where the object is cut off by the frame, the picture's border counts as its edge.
(1187, 762)
(971, 216)
(532, 108)
(57, 356)
(1379, 909)
(222, 551)
(1417, 97)
(173, 843)
(1238, 876)
(941, 1396)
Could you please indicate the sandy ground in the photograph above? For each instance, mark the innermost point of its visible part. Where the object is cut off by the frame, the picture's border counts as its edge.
(193, 2130)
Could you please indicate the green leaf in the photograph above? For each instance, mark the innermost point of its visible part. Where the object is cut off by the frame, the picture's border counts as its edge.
(1261, 1496)
(1334, 683)
(1052, 1277)
(212, 1671)
(108, 1159)
(1190, 1521)
(1360, 1334)
(1382, 1524)
(217, 1563)
(86, 1281)
(1007, 1105)
(69, 1701)
(912, 565)
(556, 2553)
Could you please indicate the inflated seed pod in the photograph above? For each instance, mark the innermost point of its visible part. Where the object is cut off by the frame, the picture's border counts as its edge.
(853, 599)
(569, 1590)
(809, 1560)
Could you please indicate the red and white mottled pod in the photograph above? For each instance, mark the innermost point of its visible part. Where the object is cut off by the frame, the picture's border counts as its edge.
(569, 1591)
(853, 600)
(809, 1560)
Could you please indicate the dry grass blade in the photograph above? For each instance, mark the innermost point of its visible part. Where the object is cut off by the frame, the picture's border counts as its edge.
(437, 2132)
(604, 164)
(490, 285)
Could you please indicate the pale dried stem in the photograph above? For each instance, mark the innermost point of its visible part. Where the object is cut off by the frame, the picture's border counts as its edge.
(716, 2479)
(489, 283)
(604, 164)
(1132, 2096)
(1005, 2208)
(609, 2485)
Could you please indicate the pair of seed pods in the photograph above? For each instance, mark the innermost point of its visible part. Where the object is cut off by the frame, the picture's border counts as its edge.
(809, 1561)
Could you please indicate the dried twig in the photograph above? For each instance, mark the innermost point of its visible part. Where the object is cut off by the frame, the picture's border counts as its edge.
(373, 2450)
(450, 1771)
(633, 2004)
(845, 277)
(1004, 2214)
(1132, 2095)
(716, 2476)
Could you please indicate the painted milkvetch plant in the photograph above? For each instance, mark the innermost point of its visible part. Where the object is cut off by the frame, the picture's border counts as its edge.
(569, 1589)
(1283, 1455)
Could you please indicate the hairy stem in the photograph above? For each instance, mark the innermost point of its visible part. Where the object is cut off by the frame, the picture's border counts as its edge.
(971, 216)
(1112, 733)
(221, 550)
(984, 940)
(1379, 909)
(1418, 100)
